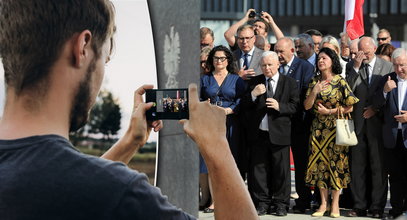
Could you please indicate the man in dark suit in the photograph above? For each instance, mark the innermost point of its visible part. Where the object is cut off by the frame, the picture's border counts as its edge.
(392, 96)
(247, 56)
(363, 74)
(271, 100)
(302, 71)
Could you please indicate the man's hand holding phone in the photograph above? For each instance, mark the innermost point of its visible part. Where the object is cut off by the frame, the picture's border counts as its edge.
(138, 132)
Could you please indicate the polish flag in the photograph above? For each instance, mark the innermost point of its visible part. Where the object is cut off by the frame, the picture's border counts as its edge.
(354, 18)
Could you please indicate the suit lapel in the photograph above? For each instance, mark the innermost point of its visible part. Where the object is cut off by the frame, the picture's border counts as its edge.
(238, 54)
(293, 67)
(376, 70)
(395, 92)
(262, 98)
(363, 75)
(255, 58)
(279, 89)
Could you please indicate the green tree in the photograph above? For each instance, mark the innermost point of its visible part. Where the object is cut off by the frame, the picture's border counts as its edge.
(105, 116)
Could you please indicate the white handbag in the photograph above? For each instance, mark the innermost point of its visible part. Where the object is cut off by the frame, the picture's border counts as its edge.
(345, 130)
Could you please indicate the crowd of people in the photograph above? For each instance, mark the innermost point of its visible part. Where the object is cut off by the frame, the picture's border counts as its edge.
(288, 95)
(174, 105)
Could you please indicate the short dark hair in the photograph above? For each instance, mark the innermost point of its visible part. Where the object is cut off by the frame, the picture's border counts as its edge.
(32, 34)
(229, 56)
(313, 32)
(264, 22)
(336, 65)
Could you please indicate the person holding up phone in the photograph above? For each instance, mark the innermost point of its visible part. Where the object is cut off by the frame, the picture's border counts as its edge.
(51, 86)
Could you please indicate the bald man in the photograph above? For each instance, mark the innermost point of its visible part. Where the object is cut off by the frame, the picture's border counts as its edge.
(302, 71)
(363, 75)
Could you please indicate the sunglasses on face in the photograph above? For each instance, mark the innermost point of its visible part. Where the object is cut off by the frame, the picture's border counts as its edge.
(381, 38)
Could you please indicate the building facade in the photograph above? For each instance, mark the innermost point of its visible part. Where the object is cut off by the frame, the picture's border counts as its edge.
(296, 16)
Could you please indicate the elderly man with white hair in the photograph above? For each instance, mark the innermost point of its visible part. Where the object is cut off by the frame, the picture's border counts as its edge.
(366, 164)
(271, 101)
(392, 96)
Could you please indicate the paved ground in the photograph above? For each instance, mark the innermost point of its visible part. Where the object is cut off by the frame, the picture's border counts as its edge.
(289, 216)
(292, 216)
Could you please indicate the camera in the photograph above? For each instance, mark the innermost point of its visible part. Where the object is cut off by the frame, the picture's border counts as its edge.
(253, 14)
(168, 104)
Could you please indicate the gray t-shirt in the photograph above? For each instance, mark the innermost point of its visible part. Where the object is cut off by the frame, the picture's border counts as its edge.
(45, 177)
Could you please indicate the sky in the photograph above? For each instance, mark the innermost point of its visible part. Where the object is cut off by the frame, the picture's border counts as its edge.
(133, 62)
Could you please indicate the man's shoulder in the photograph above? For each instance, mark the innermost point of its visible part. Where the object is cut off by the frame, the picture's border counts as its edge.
(303, 63)
(384, 63)
(53, 172)
(258, 51)
(237, 53)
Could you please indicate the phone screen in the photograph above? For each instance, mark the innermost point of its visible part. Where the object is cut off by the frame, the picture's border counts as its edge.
(168, 104)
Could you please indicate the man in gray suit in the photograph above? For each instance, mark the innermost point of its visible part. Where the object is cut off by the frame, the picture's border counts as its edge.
(363, 75)
(247, 56)
(247, 59)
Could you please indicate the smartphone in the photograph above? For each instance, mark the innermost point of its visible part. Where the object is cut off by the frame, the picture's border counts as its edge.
(168, 104)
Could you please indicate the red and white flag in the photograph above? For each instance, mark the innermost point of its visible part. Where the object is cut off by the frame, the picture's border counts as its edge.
(354, 18)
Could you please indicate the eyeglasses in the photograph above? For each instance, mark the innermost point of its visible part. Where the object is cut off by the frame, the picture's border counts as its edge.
(204, 45)
(221, 59)
(381, 38)
(245, 38)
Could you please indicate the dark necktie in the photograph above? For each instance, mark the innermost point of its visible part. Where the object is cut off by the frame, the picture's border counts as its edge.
(367, 73)
(283, 69)
(270, 92)
(246, 61)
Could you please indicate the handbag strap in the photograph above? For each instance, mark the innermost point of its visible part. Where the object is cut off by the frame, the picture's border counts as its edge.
(340, 113)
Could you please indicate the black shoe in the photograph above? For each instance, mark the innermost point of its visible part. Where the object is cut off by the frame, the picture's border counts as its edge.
(281, 211)
(375, 214)
(299, 209)
(261, 211)
(208, 210)
(356, 213)
(395, 214)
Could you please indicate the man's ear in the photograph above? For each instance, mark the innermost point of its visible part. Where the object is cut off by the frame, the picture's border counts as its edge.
(82, 47)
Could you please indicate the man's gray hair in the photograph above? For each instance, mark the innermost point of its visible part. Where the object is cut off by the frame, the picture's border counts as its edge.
(372, 41)
(269, 53)
(398, 52)
(306, 39)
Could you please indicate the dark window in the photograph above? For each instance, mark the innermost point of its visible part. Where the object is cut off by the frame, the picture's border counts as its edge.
(394, 6)
(307, 7)
(281, 8)
(325, 7)
(317, 7)
(298, 7)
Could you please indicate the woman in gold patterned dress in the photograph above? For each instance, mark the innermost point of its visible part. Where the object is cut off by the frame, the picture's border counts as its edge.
(328, 166)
